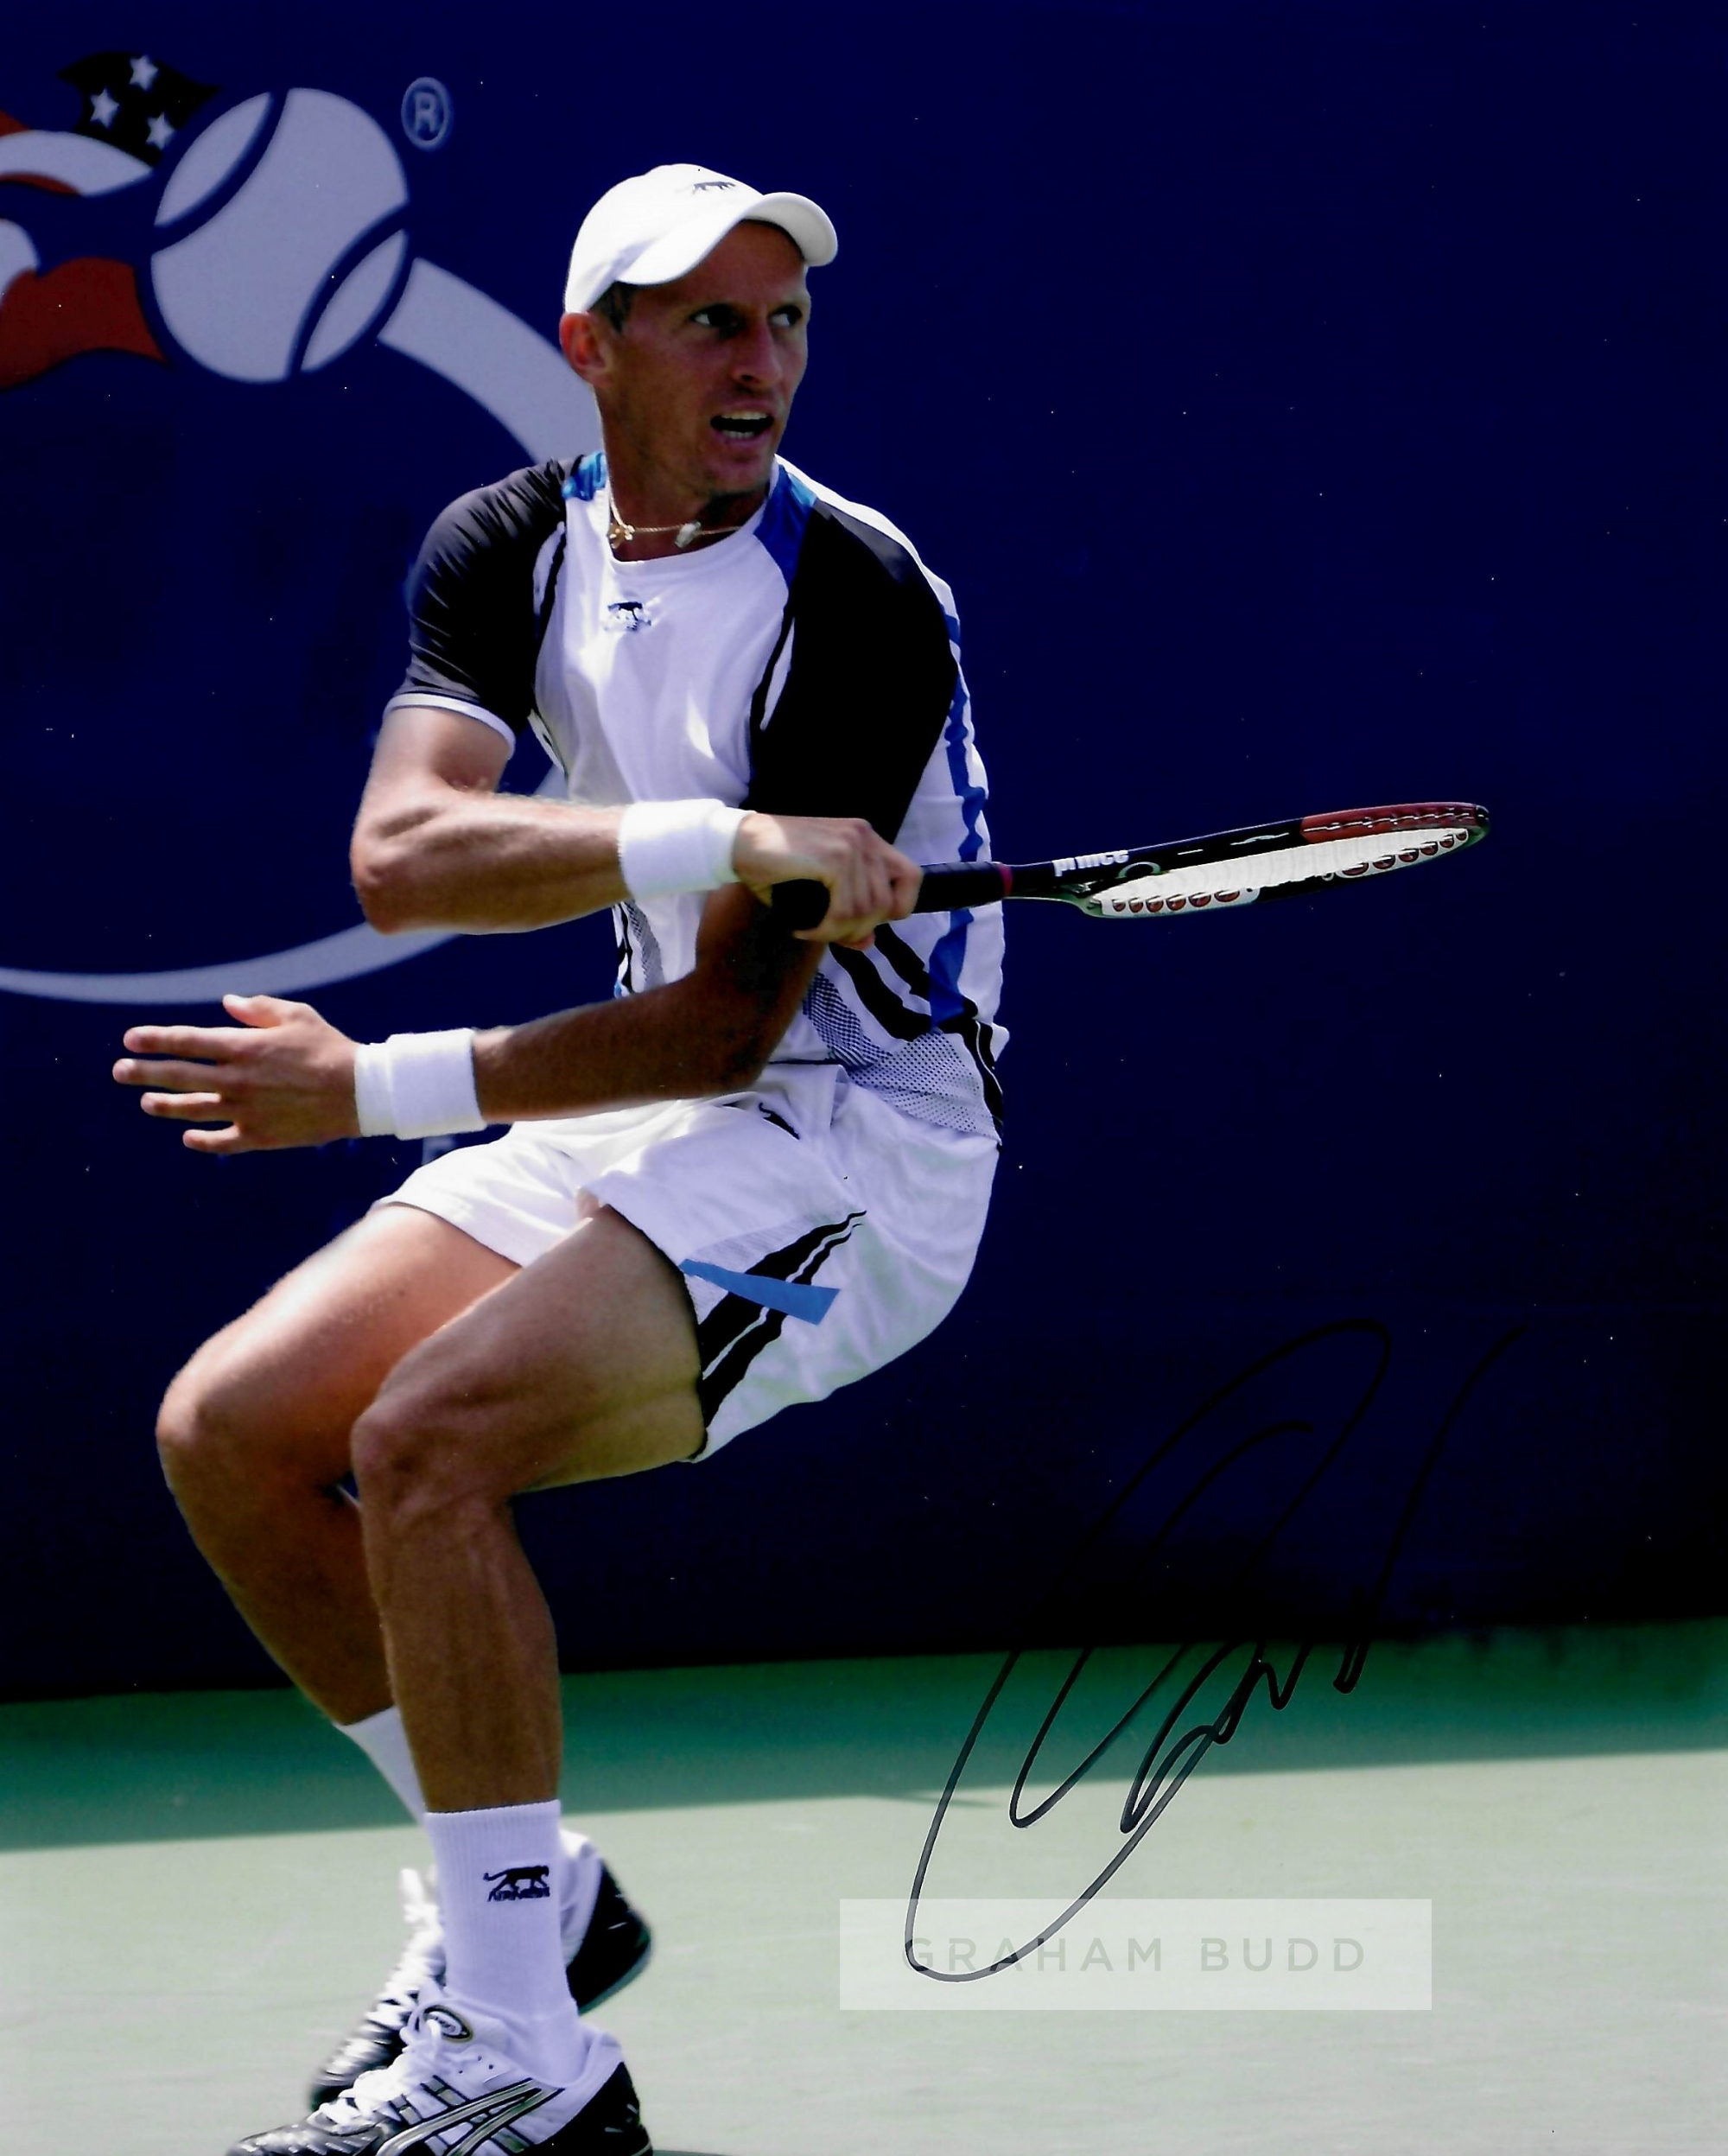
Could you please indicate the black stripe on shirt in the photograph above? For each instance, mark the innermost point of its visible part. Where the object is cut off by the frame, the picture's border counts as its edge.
(472, 632)
(893, 1017)
(869, 684)
(966, 1025)
(878, 997)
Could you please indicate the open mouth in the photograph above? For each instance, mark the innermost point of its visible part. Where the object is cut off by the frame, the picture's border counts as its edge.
(741, 426)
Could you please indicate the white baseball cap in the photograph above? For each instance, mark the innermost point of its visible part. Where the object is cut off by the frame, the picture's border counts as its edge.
(651, 229)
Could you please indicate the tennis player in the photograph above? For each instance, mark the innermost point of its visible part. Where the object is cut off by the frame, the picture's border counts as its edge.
(758, 1173)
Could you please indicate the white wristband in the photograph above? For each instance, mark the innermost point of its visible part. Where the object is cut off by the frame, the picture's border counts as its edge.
(417, 1085)
(665, 847)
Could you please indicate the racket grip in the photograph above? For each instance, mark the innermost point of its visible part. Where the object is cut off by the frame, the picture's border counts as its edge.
(978, 883)
(799, 905)
(802, 904)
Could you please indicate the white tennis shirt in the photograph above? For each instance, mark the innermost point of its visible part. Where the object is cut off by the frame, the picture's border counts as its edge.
(809, 663)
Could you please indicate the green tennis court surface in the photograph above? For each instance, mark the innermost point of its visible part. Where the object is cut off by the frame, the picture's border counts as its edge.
(197, 1892)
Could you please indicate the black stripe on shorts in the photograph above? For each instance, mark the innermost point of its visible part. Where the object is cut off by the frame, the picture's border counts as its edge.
(735, 1331)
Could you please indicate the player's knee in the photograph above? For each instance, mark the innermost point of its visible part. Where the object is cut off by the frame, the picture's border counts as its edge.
(415, 1453)
(225, 1430)
(197, 1430)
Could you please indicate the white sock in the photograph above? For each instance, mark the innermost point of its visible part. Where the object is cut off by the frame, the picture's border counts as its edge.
(578, 1886)
(384, 1741)
(499, 1872)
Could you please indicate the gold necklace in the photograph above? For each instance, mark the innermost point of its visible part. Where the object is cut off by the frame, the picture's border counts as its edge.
(619, 533)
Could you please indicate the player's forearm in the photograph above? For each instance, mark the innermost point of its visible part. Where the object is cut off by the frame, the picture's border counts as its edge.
(484, 862)
(283, 1076)
(480, 863)
(709, 1032)
(636, 1049)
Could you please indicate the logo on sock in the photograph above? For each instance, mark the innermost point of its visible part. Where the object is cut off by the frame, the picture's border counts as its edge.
(521, 1882)
(449, 2023)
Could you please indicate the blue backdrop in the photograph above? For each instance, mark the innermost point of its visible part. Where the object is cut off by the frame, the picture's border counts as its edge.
(1310, 403)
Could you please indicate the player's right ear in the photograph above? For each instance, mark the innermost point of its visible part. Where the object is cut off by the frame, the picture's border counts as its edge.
(582, 337)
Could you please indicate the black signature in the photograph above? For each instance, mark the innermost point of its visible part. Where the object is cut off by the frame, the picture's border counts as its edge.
(1168, 1761)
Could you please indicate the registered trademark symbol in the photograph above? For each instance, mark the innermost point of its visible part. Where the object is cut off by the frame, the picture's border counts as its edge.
(426, 112)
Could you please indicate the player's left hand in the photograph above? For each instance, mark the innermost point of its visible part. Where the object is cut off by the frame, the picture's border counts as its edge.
(282, 1076)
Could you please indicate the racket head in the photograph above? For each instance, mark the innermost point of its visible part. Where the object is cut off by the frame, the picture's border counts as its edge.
(1240, 867)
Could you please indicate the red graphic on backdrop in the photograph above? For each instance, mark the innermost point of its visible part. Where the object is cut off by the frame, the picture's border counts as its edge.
(87, 305)
(134, 107)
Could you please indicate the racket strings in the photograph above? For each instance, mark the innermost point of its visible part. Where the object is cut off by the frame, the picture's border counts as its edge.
(1216, 885)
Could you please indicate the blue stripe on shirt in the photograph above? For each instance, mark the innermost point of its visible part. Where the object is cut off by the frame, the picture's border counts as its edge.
(946, 1000)
(946, 960)
(587, 479)
(956, 736)
(783, 518)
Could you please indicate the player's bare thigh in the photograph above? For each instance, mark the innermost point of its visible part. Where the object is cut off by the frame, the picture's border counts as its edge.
(283, 1385)
(583, 1365)
(579, 1365)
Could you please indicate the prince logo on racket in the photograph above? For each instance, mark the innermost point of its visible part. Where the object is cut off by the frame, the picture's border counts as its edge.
(635, 1272)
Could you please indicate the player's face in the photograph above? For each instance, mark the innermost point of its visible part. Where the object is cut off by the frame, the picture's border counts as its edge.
(696, 389)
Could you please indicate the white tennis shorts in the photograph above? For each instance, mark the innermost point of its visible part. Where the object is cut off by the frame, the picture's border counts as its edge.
(820, 1231)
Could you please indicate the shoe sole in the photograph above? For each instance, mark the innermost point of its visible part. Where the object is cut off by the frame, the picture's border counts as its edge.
(610, 2124)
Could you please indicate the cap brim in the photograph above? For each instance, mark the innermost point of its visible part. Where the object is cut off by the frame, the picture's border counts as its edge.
(804, 223)
(677, 253)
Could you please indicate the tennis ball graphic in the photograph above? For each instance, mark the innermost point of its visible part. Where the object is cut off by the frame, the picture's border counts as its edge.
(292, 266)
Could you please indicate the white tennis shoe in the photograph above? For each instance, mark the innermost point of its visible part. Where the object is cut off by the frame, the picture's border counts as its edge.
(453, 2084)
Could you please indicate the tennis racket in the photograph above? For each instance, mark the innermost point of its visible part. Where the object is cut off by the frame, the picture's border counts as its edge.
(1198, 875)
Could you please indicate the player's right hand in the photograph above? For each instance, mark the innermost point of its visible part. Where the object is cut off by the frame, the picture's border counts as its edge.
(281, 1077)
(869, 882)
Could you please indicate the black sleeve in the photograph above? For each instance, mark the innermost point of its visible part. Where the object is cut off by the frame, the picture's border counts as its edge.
(474, 633)
(868, 686)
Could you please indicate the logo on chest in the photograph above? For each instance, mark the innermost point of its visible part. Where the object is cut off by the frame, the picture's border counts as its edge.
(628, 613)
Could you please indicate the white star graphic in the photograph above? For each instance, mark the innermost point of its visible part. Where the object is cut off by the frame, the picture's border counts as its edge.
(144, 71)
(103, 109)
(160, 132)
